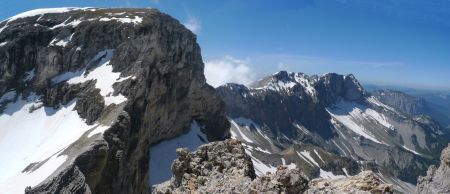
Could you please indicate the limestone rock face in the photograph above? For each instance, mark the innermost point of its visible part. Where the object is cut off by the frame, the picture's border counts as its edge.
(161, 88)
(437, 179)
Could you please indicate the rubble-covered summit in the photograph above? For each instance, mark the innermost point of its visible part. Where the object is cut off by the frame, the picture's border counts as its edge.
(224, 167)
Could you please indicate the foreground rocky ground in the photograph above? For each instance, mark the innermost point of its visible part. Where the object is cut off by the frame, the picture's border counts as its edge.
(224, 167)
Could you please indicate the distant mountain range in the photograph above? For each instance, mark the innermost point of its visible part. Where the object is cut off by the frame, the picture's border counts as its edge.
(329, 126)
(435, 103)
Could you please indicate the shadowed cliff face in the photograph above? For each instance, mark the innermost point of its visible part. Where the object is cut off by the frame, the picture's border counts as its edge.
(137, 73)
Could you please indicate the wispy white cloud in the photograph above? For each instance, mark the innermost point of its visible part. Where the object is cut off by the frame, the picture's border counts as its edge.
(193, 24)
(155, 1)
(228, 70)
(282, 66)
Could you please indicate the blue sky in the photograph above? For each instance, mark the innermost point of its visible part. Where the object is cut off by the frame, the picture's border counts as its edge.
(395, 42)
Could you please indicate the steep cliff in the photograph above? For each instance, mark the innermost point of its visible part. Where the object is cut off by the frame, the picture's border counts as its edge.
(98, 87)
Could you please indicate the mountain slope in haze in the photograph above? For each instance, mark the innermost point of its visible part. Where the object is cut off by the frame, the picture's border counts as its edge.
(436, 106)
(85, 92)
(329, 127)
(434, 103)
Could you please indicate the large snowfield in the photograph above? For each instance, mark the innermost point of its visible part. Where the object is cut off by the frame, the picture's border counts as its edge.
(32, 133)
(164, 153)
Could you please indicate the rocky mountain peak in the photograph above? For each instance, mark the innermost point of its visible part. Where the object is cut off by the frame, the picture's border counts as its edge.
(330, 87)
(99, 87)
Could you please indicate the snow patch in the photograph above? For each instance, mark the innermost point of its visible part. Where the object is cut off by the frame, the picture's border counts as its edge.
(309, 157)
(289, 166)
(345, 171)
(31, 132)
(305, 159)
(376, 102)
(43, 11)
(29, 75)
(103, 74)
(3, 43)
(18, 182)
(164, 153)
(340, 148)
(318, 155)
(329, 175)
(262, 150)
(411, 150)
(301, 128)
(301, 78)
(347, 119)
(135, 20)
(241, 134)
(380, 118)
(260, 168)
(63, 42)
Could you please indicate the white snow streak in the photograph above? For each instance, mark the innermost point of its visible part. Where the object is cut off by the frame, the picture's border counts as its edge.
(350, 124)
(345, 171)
(241, 134)
(411, 150)
(303, 157)
(309, 157)
(135, 20)
(329, 175)
(318, 155)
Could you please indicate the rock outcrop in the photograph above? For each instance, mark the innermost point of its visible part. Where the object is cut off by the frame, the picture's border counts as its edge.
(365, 182)
(160, 91)
(224, 167)
(437, 179)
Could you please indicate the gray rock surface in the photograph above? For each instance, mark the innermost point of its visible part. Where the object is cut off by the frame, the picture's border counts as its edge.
(224, 167)
(437, 179)
(167, 92)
